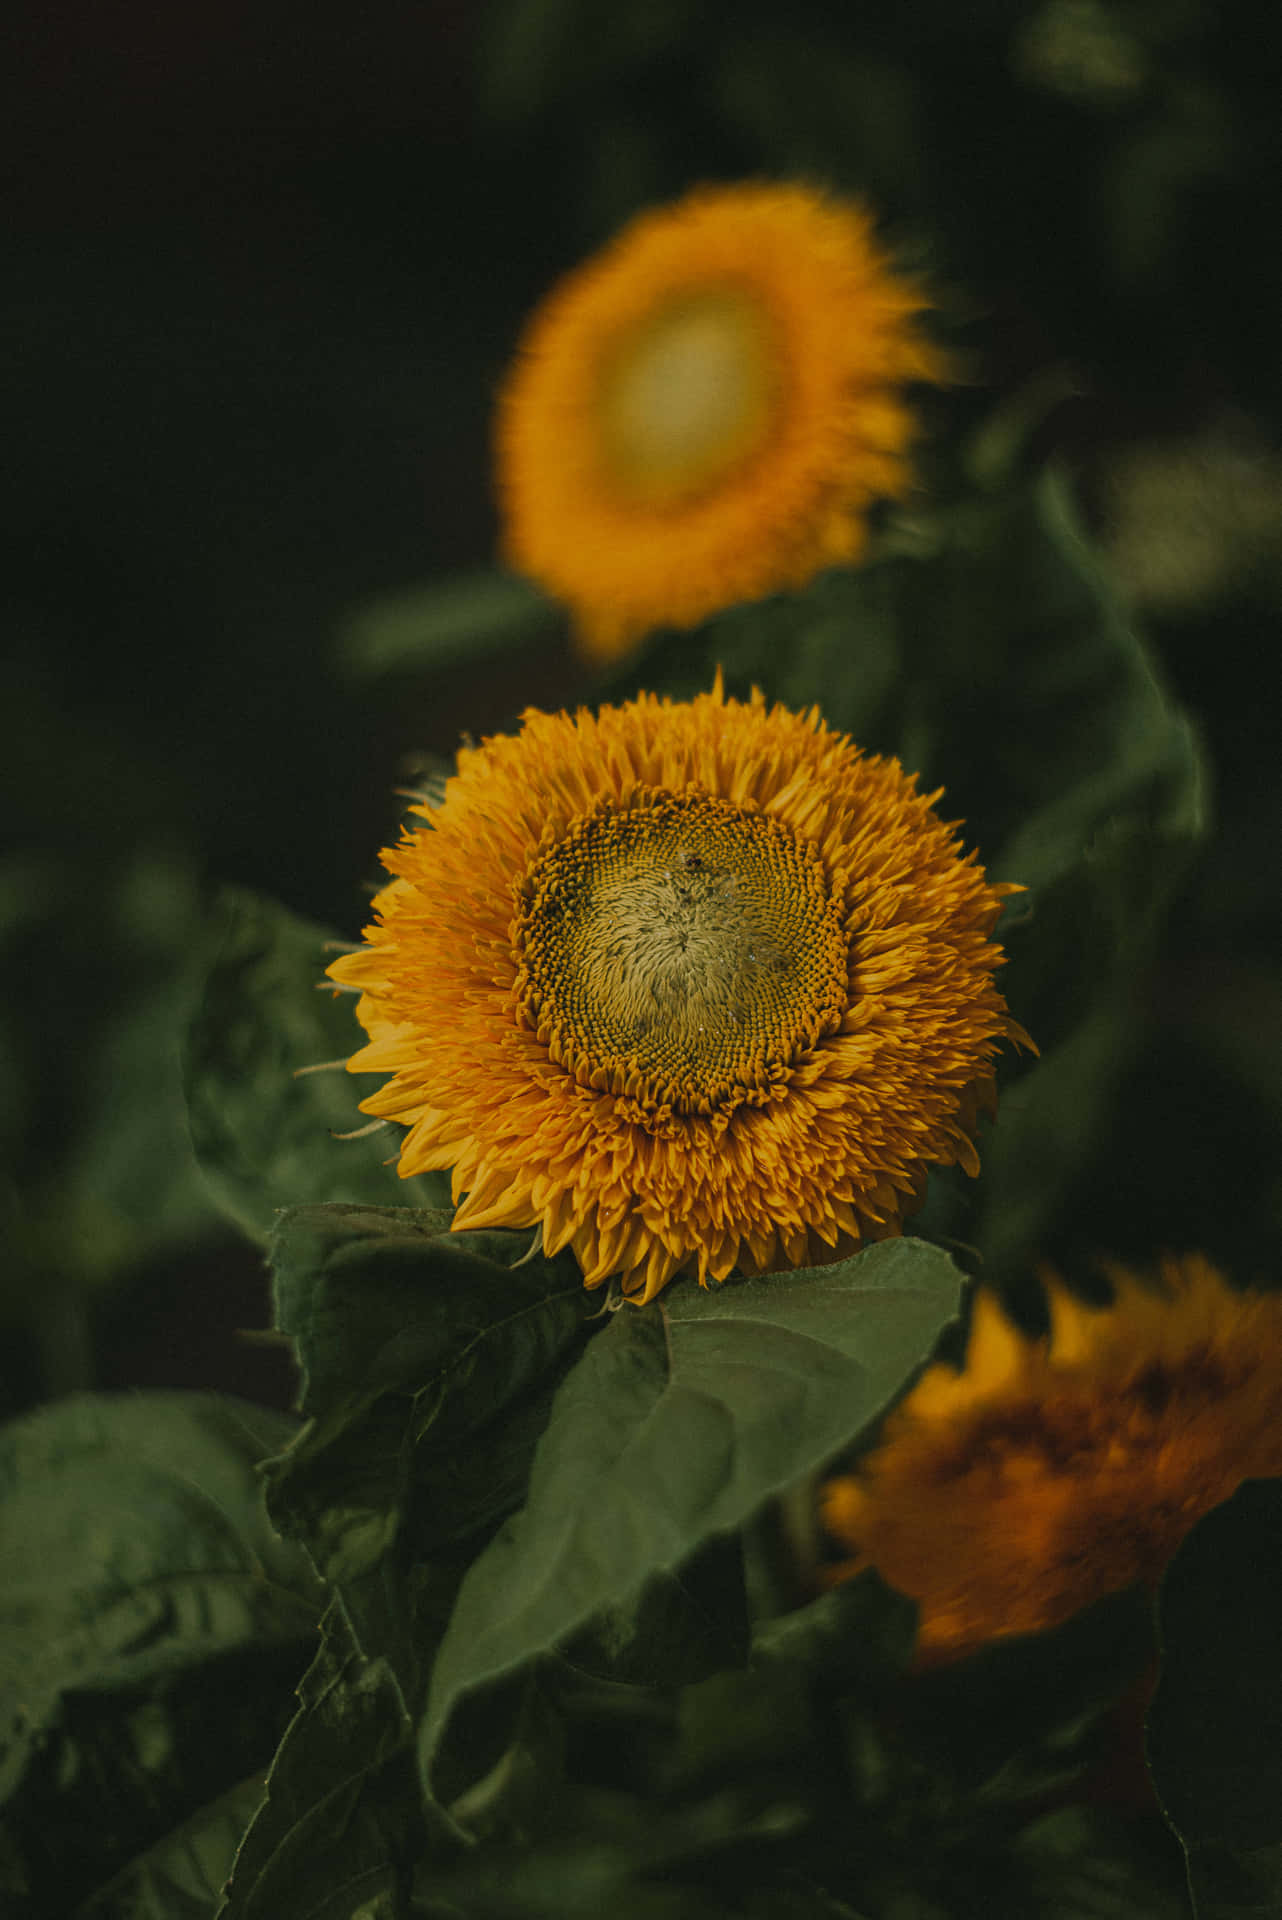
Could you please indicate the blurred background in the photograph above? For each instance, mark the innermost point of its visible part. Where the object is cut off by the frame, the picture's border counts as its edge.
(266, 268)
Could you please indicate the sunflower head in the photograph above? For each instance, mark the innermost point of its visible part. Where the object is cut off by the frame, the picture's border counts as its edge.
(687, 985)
(704, 412)
(1047, 1473)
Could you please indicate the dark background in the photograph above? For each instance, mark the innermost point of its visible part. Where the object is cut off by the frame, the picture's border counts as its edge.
(264, 271)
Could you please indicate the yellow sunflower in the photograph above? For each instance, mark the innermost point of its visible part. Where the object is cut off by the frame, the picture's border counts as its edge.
(689, 985)
(1048, 1473)
(703, 413)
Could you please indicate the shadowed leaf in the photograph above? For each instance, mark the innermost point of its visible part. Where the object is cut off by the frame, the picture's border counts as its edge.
(420, 1351)
(152, 1627)
(1215, 1725)
(340, 1822)
(264, 1138)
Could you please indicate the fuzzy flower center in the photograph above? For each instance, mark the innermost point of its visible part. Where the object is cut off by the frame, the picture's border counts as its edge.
(687, 396)
(682, 952)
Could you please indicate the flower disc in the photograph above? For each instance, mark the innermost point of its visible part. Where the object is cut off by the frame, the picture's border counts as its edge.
(688, 985)
(686, 946)
(687, 397)
(704, 412)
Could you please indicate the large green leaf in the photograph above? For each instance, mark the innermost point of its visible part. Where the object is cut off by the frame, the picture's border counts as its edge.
(1215, 1725)
(264, 1137)
(675, 1425)
(182, 1877)
(151, 1627)
(423, 1352)
(990, 654)
(340, 1823)
(429, 1362)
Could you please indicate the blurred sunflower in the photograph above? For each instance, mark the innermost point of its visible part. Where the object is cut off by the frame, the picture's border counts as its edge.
(703, 413)
(688, 985)
(1048, 1473)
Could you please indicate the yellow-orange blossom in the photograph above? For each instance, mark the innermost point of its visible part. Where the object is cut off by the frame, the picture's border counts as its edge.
(688, 984)
(704, 412)
(1048, 1473)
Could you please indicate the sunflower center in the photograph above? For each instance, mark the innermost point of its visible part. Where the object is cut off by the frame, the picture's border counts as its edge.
(687, 396)
(681, 953)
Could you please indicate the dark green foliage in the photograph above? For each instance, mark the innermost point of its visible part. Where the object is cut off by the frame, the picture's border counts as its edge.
(95, 1169)
(553, 1676)
(428, 1366)
(679, 1422)
(429, 1363)
(1215, 1725)
(809, 1782)
(432, 1365)
(339, 1826)
(264, 1138)
(153, 1627)
(182, 1876)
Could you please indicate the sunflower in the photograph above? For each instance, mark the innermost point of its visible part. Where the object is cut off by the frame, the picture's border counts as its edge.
(688, 985)
(703, 413)
(1050, 1472)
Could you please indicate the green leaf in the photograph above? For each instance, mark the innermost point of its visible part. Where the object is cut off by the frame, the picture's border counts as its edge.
(341, 1823)
(773, 1728)
(132, 1533)
(151, 1627)
(675, 1425)
(265, 1138)
(429, 1362)
(860, 1630)
(678, 1628)
(917, 1782)
(801, 1785)
(1118, 802)
(1078, 1864)
(444, 624)
(1020, 1717)
(423, 1355)
(581, 1814)
(1215, 1725)
(182, 1876)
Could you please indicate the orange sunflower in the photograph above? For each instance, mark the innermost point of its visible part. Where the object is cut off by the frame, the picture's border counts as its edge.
(703, 413)
(1050, 1472)
(688, 985)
